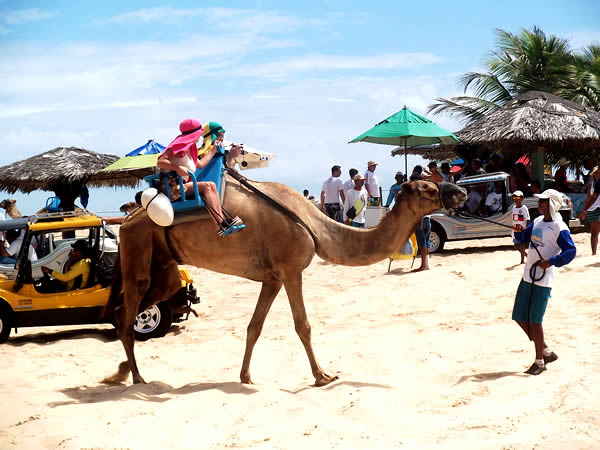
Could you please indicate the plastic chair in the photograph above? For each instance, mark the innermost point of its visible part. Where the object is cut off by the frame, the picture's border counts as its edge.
(53, 204)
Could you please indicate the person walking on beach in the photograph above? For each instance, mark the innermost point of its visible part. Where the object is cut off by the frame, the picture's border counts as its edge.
(331, 193)
(423, 231)
(550, 245)
(520, 216)
(591, 209)
(372, 184)
(356, 203)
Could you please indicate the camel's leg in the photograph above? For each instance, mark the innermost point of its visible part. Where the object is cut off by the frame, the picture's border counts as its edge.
(125, 330)
(293, 287)
(269, 291)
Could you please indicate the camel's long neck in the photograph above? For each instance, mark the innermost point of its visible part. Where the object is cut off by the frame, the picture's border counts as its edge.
(350, 246)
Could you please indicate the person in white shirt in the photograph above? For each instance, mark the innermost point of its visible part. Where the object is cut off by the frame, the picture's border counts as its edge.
(15, 240)
(331, 193)
(355, 204)
(349, 183)
(372, 184)
(550, 245)
(520, 216)
(473, 203)
(493, 201)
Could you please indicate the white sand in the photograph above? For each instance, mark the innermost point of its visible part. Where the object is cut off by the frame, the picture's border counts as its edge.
(427, 359)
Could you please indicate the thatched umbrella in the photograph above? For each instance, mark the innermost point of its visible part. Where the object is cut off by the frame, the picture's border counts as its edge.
(432, 152)
(63, 170)
(538, 120)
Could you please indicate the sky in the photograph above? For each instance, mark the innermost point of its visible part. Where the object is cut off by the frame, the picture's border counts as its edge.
(298, 79)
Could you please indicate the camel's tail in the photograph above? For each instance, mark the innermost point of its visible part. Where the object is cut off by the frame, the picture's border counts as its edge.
(115, 290)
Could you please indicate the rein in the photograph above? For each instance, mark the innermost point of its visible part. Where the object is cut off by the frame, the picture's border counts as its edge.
(284, 210)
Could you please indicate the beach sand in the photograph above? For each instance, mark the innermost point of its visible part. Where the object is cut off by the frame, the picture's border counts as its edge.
(428, 359)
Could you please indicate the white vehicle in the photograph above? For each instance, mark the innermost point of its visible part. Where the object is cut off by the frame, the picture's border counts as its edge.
(459, 225)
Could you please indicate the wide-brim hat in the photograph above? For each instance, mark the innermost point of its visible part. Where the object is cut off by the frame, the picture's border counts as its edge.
(455, 169)
(191, 131)
(371, 163)
(555, 198)
(358, 176)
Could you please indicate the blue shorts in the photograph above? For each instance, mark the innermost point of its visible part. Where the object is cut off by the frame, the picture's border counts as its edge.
(539, 301)
(422, 233)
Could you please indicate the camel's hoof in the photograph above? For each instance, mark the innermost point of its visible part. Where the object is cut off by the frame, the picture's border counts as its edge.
(138, 380)
(246, 379)
(325, 380)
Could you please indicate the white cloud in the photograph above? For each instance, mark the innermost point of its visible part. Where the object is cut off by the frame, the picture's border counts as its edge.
(319, 62)
(21, 16)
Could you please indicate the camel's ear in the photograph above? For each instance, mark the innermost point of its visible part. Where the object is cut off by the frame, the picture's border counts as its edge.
(12, 201)
(407, 187)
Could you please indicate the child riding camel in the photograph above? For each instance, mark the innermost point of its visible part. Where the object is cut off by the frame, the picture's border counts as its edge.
(181, 156)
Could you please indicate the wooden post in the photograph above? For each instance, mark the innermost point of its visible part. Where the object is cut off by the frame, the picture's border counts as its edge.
(537, 166)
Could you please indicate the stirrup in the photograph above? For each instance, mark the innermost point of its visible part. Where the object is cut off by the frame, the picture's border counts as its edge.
(231, 229)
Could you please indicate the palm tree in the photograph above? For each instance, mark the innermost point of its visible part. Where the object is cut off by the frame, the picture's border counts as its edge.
(521, 63)
(583, 85)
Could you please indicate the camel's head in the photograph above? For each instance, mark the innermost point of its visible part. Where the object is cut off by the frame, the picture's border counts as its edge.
(432, 196)
(5, 204)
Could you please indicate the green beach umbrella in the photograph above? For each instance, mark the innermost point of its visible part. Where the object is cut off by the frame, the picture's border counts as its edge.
(408, 129)
(136, 164)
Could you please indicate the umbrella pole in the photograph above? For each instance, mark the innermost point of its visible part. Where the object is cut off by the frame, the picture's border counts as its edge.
(405, 162)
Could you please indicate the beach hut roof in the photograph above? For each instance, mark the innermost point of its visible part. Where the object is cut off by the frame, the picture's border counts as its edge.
(536, 119)
(59, 166)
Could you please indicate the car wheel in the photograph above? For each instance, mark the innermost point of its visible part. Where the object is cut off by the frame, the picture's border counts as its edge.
(5, 323)
(437, 238)
(154, 322)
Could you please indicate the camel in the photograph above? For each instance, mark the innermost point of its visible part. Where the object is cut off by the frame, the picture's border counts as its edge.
(128, 207)
(274, 249)
(10, 205)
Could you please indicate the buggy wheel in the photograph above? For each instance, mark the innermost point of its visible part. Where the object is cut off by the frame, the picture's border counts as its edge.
(154, 322)
(5, 323)
(437, 238)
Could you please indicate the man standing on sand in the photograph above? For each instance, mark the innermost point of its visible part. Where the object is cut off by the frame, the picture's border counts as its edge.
(372, 184)
(331, 193)
(550, 245)
(394, 189)
(591, 208)
(356, 203)
(349, 183)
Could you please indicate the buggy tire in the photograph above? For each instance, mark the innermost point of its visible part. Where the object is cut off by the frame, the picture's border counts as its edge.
(5, 322)
(437, 238)
(154, 322)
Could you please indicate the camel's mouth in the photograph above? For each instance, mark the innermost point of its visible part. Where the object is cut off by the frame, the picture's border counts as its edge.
(451, 195)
